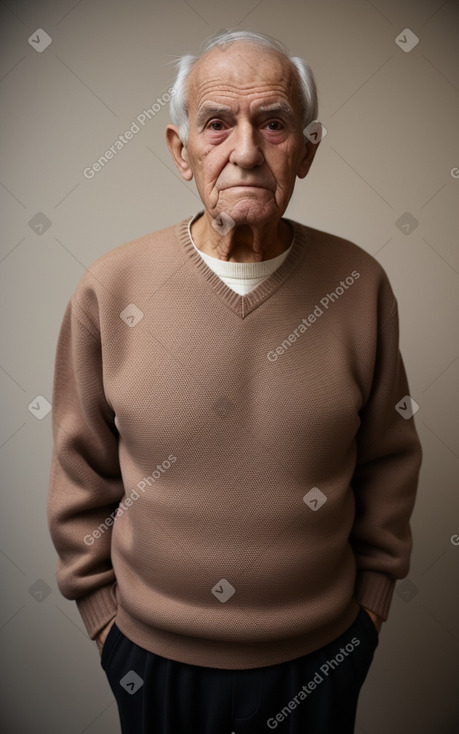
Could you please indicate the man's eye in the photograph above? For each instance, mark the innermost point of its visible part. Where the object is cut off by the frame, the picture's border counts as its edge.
(274, 125)
(216, 125)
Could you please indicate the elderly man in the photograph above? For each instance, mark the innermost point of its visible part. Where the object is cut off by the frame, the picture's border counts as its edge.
(235, 460)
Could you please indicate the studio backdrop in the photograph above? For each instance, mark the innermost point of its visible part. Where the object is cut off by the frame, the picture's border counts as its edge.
(84, 90)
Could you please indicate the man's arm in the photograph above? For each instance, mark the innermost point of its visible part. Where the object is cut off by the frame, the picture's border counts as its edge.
(385, 479)
(85, 478)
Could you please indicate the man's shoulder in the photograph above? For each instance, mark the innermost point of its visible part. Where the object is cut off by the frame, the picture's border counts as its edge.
(330, 255)
(333, 258)
(325, 245)
(140, 247)
(150, 251)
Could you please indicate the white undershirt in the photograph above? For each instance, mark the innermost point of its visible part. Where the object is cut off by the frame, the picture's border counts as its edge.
(241, 277)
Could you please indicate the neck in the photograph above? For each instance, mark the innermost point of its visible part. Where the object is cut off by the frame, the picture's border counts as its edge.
(243, 243)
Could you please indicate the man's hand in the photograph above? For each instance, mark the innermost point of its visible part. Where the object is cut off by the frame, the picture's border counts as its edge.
(102, 636)
(377, 621)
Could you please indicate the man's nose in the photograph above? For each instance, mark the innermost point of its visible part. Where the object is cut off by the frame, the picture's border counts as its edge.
(246, 152)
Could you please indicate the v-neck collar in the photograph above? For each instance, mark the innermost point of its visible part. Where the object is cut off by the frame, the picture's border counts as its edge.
(240, 305)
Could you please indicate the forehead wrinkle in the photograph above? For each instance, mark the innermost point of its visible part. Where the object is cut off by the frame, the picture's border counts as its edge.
(264, 75)
(213, 91)
(284, 75)
(224, 86)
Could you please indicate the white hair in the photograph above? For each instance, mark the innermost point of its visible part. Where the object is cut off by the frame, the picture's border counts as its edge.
(178, 103)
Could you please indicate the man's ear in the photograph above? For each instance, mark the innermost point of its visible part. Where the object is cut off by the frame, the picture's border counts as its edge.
(178, 152)
(310, 149)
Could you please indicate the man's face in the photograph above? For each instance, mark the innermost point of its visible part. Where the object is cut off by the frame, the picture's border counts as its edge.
(246, 145)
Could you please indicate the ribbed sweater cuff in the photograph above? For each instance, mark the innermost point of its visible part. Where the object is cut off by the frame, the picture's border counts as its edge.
(374, 591)
(97, 609)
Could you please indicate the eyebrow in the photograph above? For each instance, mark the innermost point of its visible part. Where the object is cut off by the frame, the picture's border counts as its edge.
(212, 110)
(277, 107)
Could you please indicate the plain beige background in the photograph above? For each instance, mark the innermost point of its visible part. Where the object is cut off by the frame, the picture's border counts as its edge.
(386, 176)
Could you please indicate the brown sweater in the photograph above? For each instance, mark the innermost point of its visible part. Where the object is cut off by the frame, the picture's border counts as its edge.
(230, 475)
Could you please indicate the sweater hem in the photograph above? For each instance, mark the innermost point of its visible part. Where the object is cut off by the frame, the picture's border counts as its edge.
(232, 655)
(97, 609)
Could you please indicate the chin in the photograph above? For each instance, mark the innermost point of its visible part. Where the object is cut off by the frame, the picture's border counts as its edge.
(251, 212)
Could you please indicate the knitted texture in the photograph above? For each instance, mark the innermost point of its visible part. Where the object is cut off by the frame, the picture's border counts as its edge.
(230, 476)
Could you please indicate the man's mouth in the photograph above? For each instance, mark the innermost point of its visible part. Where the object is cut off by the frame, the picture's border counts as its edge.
(246, 184)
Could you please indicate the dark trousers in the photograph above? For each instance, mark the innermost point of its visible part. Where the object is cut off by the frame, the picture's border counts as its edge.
(312, 694)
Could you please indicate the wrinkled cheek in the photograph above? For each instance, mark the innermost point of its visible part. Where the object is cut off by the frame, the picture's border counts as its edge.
(284, 188)
(212, 200)
(207, 192)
